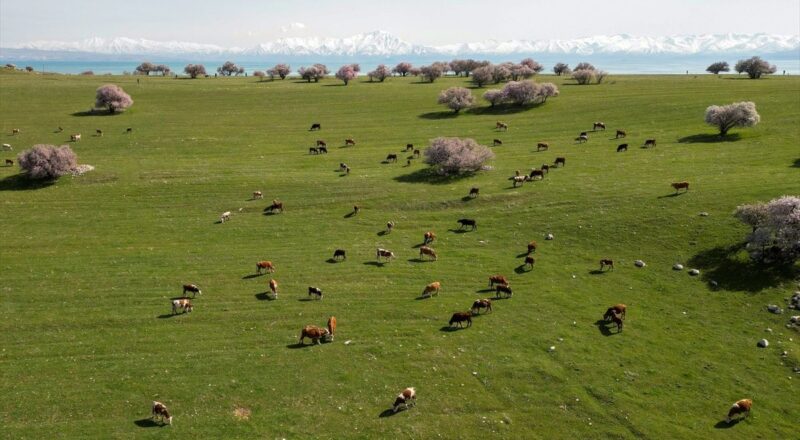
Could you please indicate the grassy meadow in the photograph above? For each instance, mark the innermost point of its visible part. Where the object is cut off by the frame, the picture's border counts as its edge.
(90, 264)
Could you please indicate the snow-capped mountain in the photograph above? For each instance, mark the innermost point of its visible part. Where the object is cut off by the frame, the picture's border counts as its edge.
(379, 43)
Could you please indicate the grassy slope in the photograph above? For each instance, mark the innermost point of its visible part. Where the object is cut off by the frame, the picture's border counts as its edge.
(89, 264)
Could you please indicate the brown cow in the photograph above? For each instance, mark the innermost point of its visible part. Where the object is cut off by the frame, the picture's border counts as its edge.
(182, 303)
(606, 262)
(473, 192)
(75, 137)
(479, 304)
(265, 265)
(429, 237)
(323, 150)
(416, 153)
(464, 222)
(349, 142)
(620, 133)
(505, 289)
(497, 142)
(616, 319)
(597, 125)
(497, 279)
(532, 246)
(14, 131)
(561, 161)
(384, 253)
(321, 143)
(460, 317)
(619, 309)
(650, 143)
(273, 287)
(160, 410)
(314, 333)
(432, 288)
(546, 168)
(679, 185)
(356, 209)
(409, 147)
(191, 288)
(740, 407)
(391, 157)
(127, 130)
(332, 326)
(622, 147)
(542, 146)
(536, 173)
(275, 206)
(9, 162)
(501, 126)
(425, 250)
(529, 262)
(519, 180)
(406, 399)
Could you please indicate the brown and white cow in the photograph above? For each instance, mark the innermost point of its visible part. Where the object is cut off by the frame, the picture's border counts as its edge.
(384, 253)
(75, 137)
(479, 304)
(191, 288)
(542, 146)
(314, 333)
(257, 195)
(582, 138)
(389, 226)
(460, 317)
(99, 132)
(496, 142)
(616, 318)
(620, 133)
(349, 142)
(14, 131)
(560, 161)
(536, 173)
(425, 250)
(518, 180)
(9, 162)
(501, 126)
(225, 216)
(606, 262)
(404, 400)
(273, 287)
(622, 147)
(265, 266)
(597, 125)
(416, 153)
(740, 407)
(315, 291)
(391, 157)
(409, 147)
(505, 289)
(182, 303)
(473, 192)
(619, 309)
(429, 237)
(160, 410)
(432, 288)
(321, 143)
(275, 206)
(680, 185)
(497, 279)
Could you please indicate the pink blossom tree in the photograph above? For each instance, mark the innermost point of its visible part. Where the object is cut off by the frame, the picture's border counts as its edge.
(521, 92)
(521, 71)
(315, 72)
(755, 67)
(775, 235)
(561, 69)
(113, 98)
(380, 73)
(482, 75)
(145, 68)
(228, 69)
(47, 161)
(501, 72)
(583, 76)
(738, 114)
(260, 75)
(434, 71)
(532, 64)
(403, 68)
(279, 70)
(457, 98)
(494, 96)
(195, 70)
(347, 72)
(457, 155)
(546, 90)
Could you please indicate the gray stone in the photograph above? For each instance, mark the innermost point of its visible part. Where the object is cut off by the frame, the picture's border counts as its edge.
(703, 214)
(639, 263)
(763, 343)
(774, 309)
(677, 266)
(694, 272)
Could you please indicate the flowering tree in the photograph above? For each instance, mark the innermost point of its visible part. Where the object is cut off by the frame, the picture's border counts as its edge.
(755, 67)
(457, 98)
(738, 114)
(434, 71)
(280, 70)
(260, 75)
(113, 98)
(402, 69)
(583, 76)
(584, 66)
(47, 161)
(775, 227)
(501, 72)
(546, 90)
(380, 73)
(163, 69)
(561, 69)
(194, 70)
(494, 96)
(347, 72)
(415, 71)
(521, 71)
(482, 75)
(520, 92)
(145, 68)
(531, 64)
(457, 155)
(719, 66)
(315, 72)
(229, 68)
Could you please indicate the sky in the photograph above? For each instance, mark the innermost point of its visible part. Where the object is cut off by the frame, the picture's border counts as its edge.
(429, 22)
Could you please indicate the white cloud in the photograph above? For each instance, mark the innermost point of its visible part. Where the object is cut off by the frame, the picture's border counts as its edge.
(296, 26)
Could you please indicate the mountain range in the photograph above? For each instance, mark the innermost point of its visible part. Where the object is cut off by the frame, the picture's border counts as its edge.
(379, 43)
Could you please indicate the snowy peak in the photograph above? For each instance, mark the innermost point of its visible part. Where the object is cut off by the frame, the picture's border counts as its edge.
(379, 43)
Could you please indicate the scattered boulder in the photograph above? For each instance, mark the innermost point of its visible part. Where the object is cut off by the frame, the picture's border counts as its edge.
(639, 263)
(548, 237)
(552, 348)
(703, 214)
(694, 272)
(763, 343)
(677, 266)
(774, 309)
(713, 284)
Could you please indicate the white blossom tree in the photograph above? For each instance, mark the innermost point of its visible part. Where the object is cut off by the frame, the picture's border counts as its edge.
(738, 114)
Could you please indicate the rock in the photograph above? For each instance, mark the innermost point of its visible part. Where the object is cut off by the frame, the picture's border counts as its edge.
(768, 330)
(552, 348)
(639, 263)
(785, 353)
(677, 266)
(795, 319)
(713, 284)
(763, 343)
(774, 309)
(703, 214)
(347, 342)
(549, 237)
(694, 272)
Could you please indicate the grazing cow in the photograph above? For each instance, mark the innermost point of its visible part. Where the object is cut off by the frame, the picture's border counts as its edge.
(501, 126)
(225, 216)
(529, 262)
(428, 237)
(192, 288)
(473, 192)
(505, 288)
(349, 142)
(407, 398)
(323, 150)
(342, 166)
(9, 163)
(468, 222)
(182, 303)
(128, 130)
(479, 304)
(606, 262)
(416, 153)
(518, 179)
(597, 125)
(266, 266)
(389, 226)
(160, 410)
(99, 132)
(740, 407)
(356, 209)
(314, 333)
(14, 131)
(75, 137)
(497, 142)
(619, 309)
(425, 250)
(321, 143)
(347, 170)
(546, 168)
(650, 143)
(409, 147)
(315, 291)
(315, 126)
(384, 253)
(616, 319)
(497, 279)
(583, 133)
(275, 206)
(536, 173)
(332, 326)
(257, 195)
(582, 138)
(620, 133)
(339, 254)
(542, 146)
(679, 185)
(273, 287)
(313, 150)
(560, 161)
(432, 288)
(532, 246)
(391, 158)
(460, 317)
(622, 147)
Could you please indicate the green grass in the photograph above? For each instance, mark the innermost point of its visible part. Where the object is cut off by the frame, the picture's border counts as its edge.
(89, 264)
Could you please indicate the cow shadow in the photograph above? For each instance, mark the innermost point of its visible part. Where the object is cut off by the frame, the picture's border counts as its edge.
(603, 326)
(429, 175)
(419, 260)
(331, 261)
(252, 275)
(487, 290)
(388, 413)
(264, 296)
(148, 423)
(417, 246)
(20, 182)
(351, 213)
(522, 268)
(450, 329)
(722, 424)
(675, 194)
(421, 297)
(382, 233)
(169, 315)
(597, 272)
(297, 345)
(459, 231)
(707, 138)
(308, 299)
(523, 255)
(438, 115)
(467, 198)
(95, 113)
(796, 163)
(736, 272)
(375, 263)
